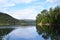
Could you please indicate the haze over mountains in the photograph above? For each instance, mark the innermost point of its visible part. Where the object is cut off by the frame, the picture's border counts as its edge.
(6, 19)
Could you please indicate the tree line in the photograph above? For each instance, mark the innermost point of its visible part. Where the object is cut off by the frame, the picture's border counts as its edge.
(51, 16)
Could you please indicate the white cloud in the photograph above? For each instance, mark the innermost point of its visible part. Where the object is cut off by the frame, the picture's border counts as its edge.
(23, 1)
(3, 1)
(53, 1)
(28, 13)
(8, 3)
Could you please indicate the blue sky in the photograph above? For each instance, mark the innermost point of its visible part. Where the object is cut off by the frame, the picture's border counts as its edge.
(26, 9)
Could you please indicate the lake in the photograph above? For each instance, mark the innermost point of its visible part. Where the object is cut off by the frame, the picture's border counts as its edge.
(26, 33)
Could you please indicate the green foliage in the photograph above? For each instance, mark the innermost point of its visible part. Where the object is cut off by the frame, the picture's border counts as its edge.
(4, 32)
(45, 20)
(52, 32)
(6, 19)
(51, 16)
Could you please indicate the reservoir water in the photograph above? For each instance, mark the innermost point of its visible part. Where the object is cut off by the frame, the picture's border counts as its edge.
(26, 33)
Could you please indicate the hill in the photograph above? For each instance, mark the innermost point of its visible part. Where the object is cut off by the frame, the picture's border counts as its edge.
(6, 19)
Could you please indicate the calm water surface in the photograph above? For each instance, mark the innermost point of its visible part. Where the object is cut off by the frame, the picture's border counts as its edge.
(22, 33)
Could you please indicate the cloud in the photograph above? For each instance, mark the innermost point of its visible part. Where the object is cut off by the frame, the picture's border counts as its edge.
(23, 1)
(53, 1)
(8, 3)
(29, 8)
(27, 13)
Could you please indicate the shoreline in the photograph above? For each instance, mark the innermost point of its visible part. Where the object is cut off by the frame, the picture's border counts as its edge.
(47, 24)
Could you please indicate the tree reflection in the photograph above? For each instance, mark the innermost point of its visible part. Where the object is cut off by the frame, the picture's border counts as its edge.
(52, 32)
(4, 31)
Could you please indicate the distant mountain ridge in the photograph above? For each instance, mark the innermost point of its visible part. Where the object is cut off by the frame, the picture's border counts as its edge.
(6, 19)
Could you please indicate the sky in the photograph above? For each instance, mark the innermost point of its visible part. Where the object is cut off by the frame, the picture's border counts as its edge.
(26, 9)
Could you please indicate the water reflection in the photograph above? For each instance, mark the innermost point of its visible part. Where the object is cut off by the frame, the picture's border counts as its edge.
(24, 33)
(52, 32)
(4, 31)
(29, 33)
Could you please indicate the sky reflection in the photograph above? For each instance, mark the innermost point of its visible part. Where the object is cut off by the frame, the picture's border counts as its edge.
(28, 33)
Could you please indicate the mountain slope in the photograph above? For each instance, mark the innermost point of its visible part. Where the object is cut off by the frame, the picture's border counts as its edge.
(6, 19)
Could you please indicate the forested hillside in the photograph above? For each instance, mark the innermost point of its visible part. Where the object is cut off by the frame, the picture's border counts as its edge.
(49, 17)
(6, 19)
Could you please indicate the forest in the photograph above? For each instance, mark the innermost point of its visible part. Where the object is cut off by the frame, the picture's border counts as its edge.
(49, 17)
(6, 19)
